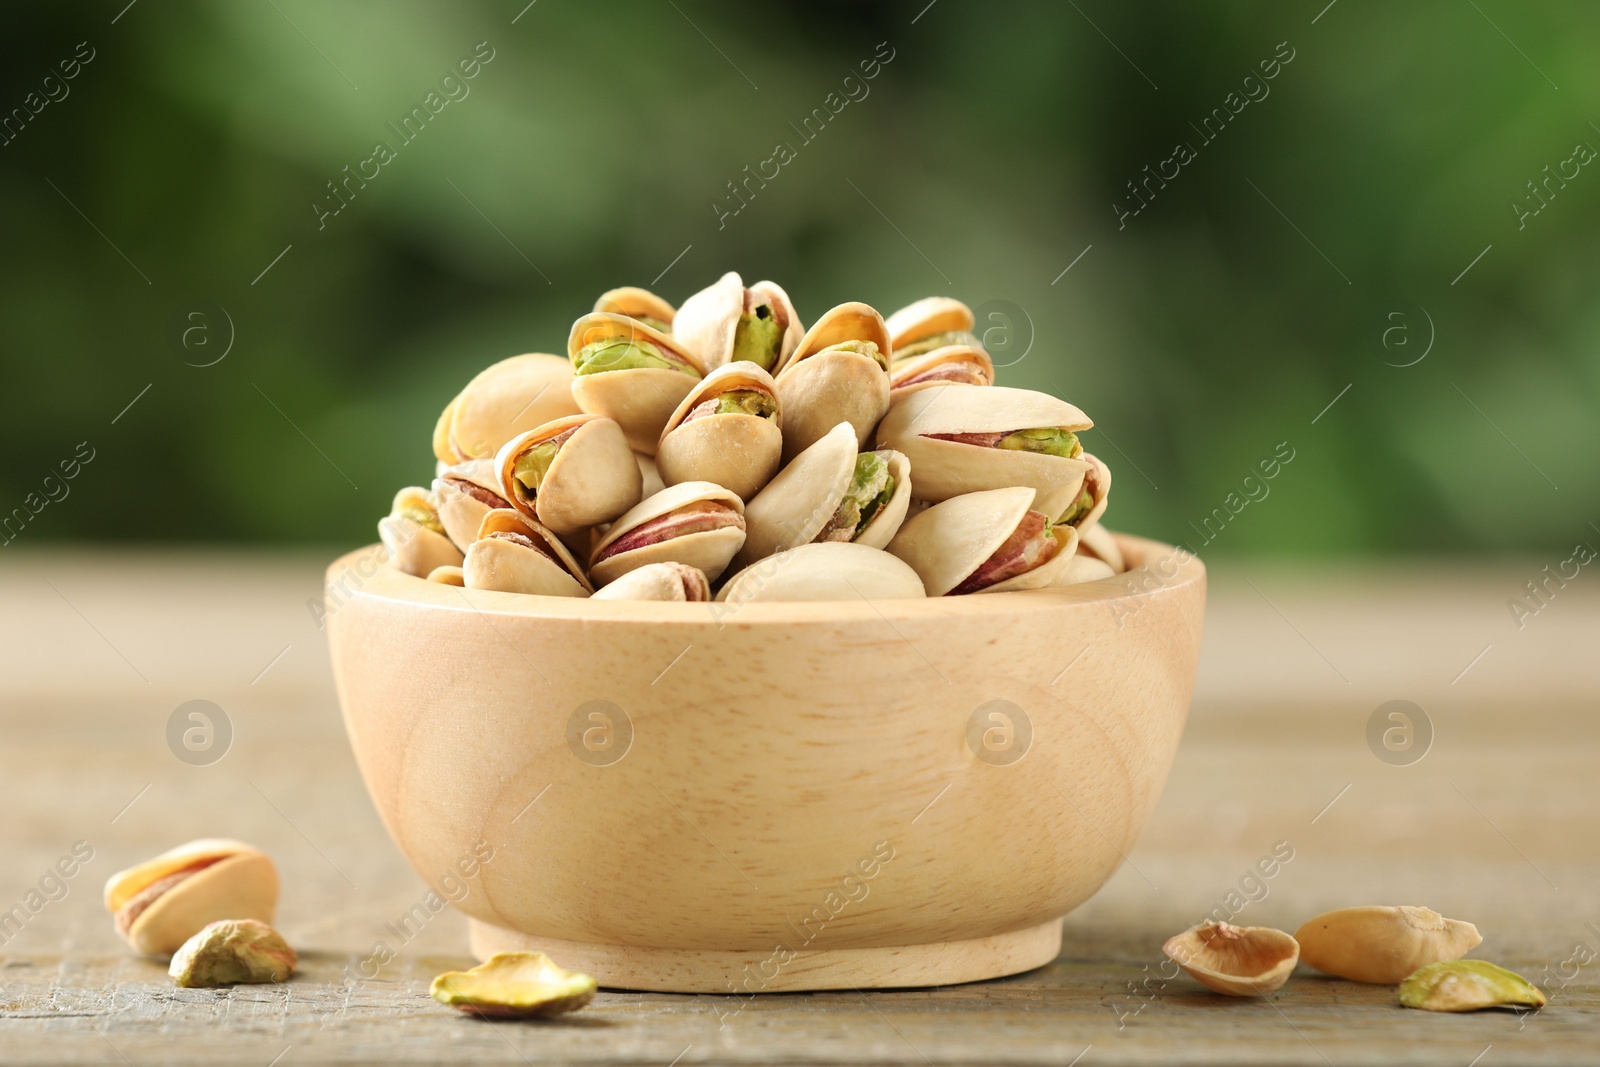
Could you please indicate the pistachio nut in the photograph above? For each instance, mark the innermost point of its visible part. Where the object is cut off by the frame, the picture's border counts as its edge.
(930, 323)
(829, 492)
(839, 373)
(1090, 503)
(466, 492)
(1468, 985)
(162, 902)
(570, 474)
(992, 541)
(727, 430)
(1097, 541)
(503, 400)
(727, 323)
(1238, 961)
(641, 305)
(957, 364)
(1383, 944)
(448, 576)
(962, 440)
(414, 536)
(514, 985)
(1083, 568)
(660, 581)
(700, 524)
(824, 570)
(627, 371)
(515, 554)
(231, 951)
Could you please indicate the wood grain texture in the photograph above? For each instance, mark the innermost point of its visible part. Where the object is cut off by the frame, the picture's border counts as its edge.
(1494, 825)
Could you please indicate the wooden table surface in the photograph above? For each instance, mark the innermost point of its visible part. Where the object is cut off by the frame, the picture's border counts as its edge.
(1497, 824)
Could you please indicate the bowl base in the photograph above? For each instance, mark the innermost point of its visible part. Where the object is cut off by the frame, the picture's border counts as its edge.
(673, 970)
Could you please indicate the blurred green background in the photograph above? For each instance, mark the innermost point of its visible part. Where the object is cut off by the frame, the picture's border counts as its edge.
(986, 156)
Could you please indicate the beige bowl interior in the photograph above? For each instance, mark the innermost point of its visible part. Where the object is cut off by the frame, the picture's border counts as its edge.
(769, 796)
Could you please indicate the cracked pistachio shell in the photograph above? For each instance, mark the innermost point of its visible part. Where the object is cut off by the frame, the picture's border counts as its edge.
(951, 539)
(639, 399)
(660, 581)
(514, 985)
(414, 535)
(734, 450)
(494, 562)
(158, 906)
(1383, 945)
(825, 570)
(708, 321)
(926, 317)
(232, 951)
(461, 511)
(592, 479)
(1239, 961)
(795, 506)
(1468, 985)
(818, 388)
(1083, 568)
(709, 550)
(505, 399)
(948, 468)
(636, 303)
(1098, 542)
(953, 364)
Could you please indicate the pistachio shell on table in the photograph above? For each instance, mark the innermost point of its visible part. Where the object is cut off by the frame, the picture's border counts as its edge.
(700, 524)
(824, 570)
(448, 575)
(660, 581)
(1468, 985)
(638, 304)
(829, 492)
(1097, 541)
(503, 400)
(930, 323)
(161, 903)
(727, 323)
(727, 430)
(957, 364)
(839, 372)
(1238, 961)
(514, 985)
(629, 372)
(571, 474)
(413, 534)
(963, 440)
(1382, 945)
(515, 554)
(466, 492)
(991, 541)
(232, 951)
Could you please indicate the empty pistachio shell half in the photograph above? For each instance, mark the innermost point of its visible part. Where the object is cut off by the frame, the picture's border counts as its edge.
(824, 570)
(1468, 985)
(162, 902)
(638, 304)
(627, 371)
(448, 576)
(514, 985)
(466, 492)
(1239, 961)
(1097, 541)
(987, 542)
(504, 400)
(571, 474)
(515, 554)
(839, 373)
(1383, 944)
(962, 440)
(958, 364)
(727, 430)
(726, 323)
(829, 492)
(414, 536)
(660, 581)
(700, 524)
(929, 323)
(232, 951)
(1082, 568)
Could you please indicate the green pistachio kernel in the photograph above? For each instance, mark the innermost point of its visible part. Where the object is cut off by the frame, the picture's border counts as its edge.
(1077, 509)
(870, 487)
(652, 322)
(861, 348)
(531, 467)
(1468, 985)
(938, 340)
(758, 337)
(1046, 440)
(423, 516)
(620, 353)
(747, 402)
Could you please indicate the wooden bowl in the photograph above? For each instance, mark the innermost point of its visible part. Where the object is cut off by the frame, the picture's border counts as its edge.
(705, 798)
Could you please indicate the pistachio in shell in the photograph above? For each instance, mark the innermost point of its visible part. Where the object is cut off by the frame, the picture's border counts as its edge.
(1468, 985)
(629, 372)
(448, 576)
(161, 903)
(728, 323)
(829, 492)
(824, 570)
(930, 323)
(515, 554)
(514, 985)
(466, 492)
(641, 305)
(1237, 961)
(413, 534)
(231, 951)
(503, 400)
(955, 364)
(1097, 541)
(1382, 945)
(986, 542)
(727, 430)
(660, 581)
(571, 474)
(1083, 568)
(1090, 503)
(839, 373)
(700, 524)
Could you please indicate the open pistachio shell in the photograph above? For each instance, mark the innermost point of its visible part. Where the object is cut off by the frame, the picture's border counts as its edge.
(733, 449)
(508, 398)
(1239, 961)
(1093, 496)
(827, 382)
(930, 319)
(466, 492)
(640, 304)
(825, 570)
(515, 554)
(640, 399)
(1383, 945)
(1083, 568)
(413, 534)
(649, 474)
(448, 576)
(1098, 542)
(951, 468)
(700, 524)
(959, 364)
(660, 581)
(162, 902)
(514, 985)
(708, 323)
(951, 540)
(592, 477)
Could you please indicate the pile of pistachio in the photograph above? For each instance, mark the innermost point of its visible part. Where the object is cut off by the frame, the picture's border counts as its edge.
(722, 447)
